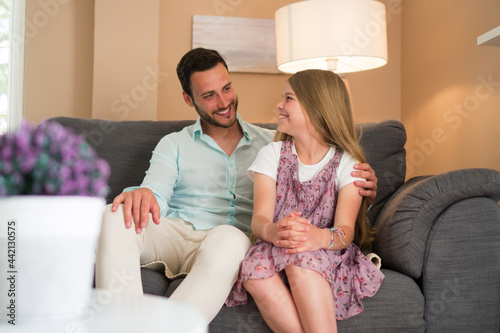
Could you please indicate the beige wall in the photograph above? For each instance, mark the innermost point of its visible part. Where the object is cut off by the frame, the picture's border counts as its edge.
(450, 112)
(258, 93)
(102, 59)
(125, 85)
(376, 93)
(59, 59)
(116, 59)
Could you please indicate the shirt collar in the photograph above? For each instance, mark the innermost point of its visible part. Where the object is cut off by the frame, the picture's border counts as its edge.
(198, 130)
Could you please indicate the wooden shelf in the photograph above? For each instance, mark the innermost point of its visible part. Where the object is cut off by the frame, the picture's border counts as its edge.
(491, 38)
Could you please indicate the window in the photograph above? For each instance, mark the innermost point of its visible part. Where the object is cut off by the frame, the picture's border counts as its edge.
(12, 42)
(4, 61)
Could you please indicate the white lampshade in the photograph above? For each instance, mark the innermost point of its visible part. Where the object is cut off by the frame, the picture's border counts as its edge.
(339, 35)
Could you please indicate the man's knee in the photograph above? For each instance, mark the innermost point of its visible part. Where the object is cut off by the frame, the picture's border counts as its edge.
(224, 247)
(113, 226)
(108, 213)
(229, 238)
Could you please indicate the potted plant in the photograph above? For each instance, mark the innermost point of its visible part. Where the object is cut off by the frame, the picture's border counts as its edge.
(52, 185)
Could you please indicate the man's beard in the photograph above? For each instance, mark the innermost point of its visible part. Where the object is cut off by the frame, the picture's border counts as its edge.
(209, 118)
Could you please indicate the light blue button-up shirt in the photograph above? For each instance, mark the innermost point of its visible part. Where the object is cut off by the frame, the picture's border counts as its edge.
(194, 179)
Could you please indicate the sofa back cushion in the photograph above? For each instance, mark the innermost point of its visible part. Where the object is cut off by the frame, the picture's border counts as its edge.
(128, 146)
(383, 144)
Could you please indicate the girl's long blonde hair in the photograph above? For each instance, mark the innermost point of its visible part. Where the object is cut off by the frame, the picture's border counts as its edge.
(324, 98)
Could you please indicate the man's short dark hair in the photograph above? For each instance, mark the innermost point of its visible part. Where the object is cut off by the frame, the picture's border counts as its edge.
(196, 60)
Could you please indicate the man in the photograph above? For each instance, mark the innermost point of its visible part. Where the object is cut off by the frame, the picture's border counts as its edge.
(196, 193)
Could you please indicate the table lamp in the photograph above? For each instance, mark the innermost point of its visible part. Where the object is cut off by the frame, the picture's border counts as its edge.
(340, 35)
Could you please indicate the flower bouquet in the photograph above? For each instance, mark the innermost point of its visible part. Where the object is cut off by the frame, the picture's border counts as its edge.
(52, 185)
(50, 160)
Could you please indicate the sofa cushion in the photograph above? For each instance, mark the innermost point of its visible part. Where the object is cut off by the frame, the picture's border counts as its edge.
(384, 147)
(398, 306)
(128, 146)
(406, 222)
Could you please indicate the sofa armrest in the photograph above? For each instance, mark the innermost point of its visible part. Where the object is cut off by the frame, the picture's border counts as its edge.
(406, 221)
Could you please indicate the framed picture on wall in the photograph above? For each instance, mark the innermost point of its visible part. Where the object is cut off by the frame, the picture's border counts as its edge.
(247, 44)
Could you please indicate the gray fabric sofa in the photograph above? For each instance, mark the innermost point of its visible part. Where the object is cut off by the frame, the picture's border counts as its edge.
(439, 236)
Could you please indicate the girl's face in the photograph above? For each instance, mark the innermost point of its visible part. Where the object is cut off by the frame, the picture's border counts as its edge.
(292, 119)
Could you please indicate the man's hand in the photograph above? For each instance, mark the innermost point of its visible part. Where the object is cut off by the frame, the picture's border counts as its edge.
(137, 204)
(368, 188)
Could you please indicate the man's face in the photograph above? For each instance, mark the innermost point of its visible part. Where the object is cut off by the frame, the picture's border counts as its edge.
(213, 97)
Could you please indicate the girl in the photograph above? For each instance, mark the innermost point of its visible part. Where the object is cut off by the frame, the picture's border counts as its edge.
(305, 268)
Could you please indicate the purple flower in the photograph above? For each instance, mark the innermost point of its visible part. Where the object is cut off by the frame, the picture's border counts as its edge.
(5, 152)
(50, 159)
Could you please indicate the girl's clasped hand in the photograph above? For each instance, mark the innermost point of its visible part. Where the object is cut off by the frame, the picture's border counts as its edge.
(297, 234)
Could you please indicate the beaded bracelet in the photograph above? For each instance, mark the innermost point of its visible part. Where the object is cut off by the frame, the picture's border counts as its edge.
(339, 233)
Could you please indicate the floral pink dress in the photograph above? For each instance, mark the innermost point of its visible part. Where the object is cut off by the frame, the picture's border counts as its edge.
(352, 276)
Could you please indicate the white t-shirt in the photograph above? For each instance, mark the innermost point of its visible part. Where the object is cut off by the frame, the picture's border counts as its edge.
(267, 161)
